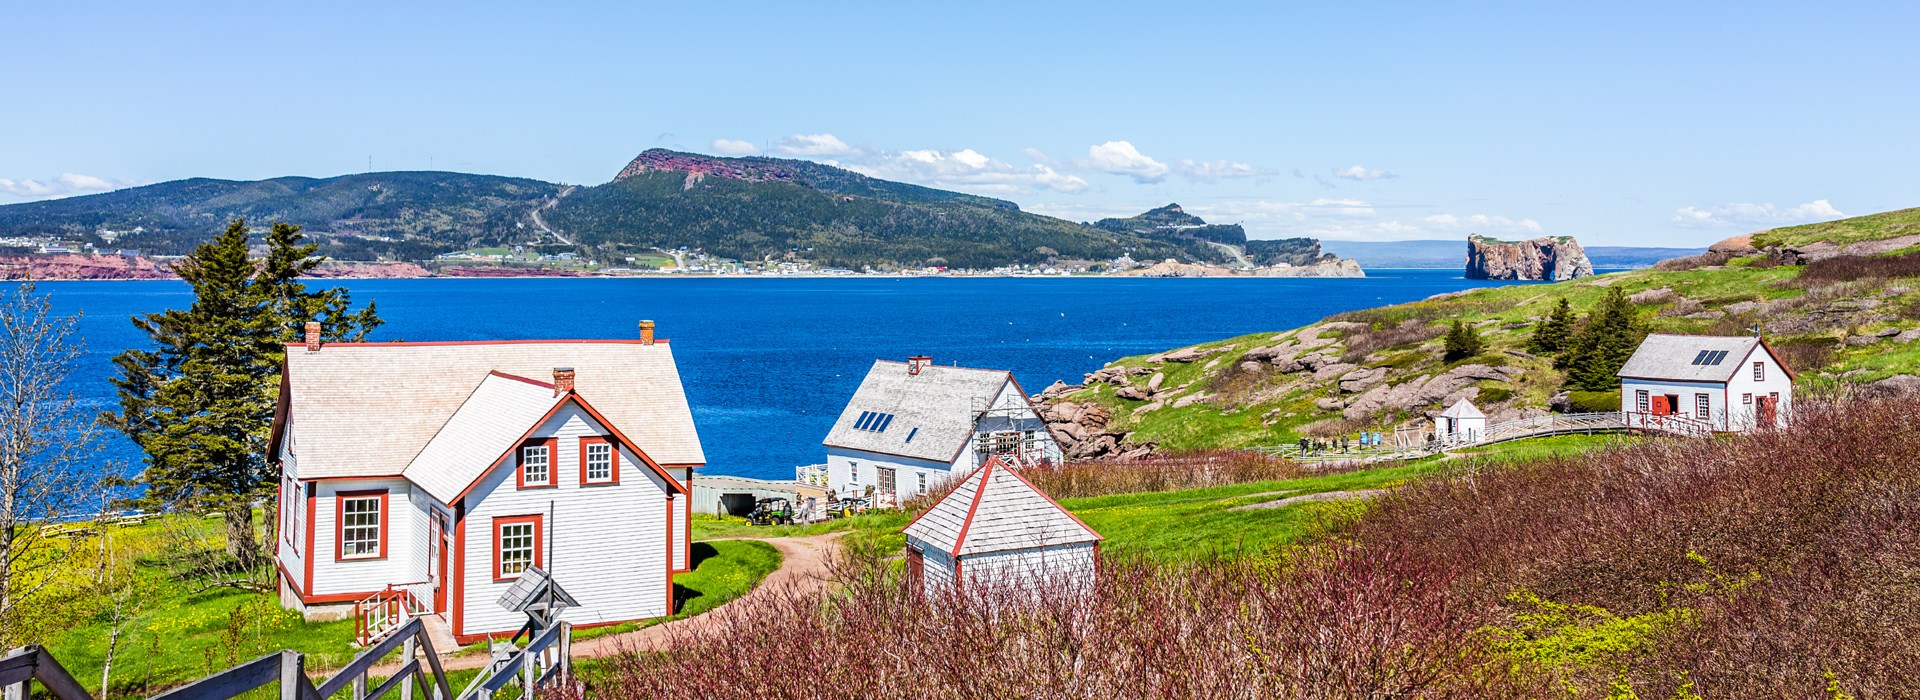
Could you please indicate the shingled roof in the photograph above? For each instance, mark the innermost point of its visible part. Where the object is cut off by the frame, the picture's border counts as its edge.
(928, 416)
(995, 510)
(369, 409)
(1690, 358)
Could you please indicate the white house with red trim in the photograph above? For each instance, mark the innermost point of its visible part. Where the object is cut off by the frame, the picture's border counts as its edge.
(441, 471)
(996, 529)
(1719, 383)
(912, 425)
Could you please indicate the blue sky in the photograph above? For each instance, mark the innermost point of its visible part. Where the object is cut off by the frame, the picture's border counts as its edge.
(1629, 124)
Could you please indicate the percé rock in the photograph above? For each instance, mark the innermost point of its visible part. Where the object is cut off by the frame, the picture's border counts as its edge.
(1547, 258)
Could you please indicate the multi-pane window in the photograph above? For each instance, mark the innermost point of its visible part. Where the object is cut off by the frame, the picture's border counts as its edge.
(886, 479)
(599, 456)
(1641, 401)
(1703, 406)
(360, 522)
(293, 497)
(517, 547)
(923, 481)
(1759, 371)
(536, 465)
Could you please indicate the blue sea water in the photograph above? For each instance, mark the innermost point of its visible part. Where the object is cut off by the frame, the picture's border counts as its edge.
(768, 363)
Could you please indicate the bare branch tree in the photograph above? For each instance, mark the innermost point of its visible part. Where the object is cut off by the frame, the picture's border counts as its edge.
(49, 449)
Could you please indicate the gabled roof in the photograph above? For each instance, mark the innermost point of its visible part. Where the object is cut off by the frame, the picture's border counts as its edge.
(1462, 409)
(368, 409)
(1691, 358)
(925, 416)
(490, 423)
(994, 510)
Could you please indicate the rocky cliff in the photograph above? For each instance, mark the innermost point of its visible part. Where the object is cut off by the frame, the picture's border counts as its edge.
(1547, 258)
(1172, 268)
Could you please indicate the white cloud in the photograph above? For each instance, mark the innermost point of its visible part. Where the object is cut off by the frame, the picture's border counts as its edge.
(966, 170)
(815, 146)
(1484, 222)
(1209, 171)
(1756, 216)
(733, 147)
(66, 185)
(1361, 173)
(1121, 158)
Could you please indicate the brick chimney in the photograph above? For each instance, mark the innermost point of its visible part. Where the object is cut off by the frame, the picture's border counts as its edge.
(562, 380)
(313, 336)
(917, 363)
(646, 332)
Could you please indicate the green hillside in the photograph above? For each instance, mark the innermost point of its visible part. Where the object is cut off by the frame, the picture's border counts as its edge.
(422, 212)
(1846, 319)
(755, 208)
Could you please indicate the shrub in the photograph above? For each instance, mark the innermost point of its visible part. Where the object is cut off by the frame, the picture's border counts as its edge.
(1463, 341)
(1409, 332)
(1806, 354)
(1163, 472)
(1594, 401)
(1846, 268)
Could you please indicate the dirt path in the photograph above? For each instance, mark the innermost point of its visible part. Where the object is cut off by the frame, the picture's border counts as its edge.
(803, 566)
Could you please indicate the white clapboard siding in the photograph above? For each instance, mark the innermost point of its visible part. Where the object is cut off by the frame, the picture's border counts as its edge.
(333, 576)
(682, 525)
(608, 543)
(419, 531)
(1033, 569)
(936, 568)
(290, 548)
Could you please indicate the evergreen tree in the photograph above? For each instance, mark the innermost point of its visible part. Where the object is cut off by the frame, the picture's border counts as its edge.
(1601, 347)
(201, 402)
(1463, 341)
(1552, 334)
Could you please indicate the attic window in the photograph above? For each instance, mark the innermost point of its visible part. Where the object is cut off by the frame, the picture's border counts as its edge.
(1709, 358)
(872, 421)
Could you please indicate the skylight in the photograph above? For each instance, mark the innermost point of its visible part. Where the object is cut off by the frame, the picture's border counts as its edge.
(873, 421)
(1710, 357)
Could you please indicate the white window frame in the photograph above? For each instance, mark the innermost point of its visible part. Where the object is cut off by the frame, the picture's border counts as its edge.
(599, 466)
(527, 463)
(532, 549)
(1703, 404)
(354, 536)
(293, 520)
(1759, 371)
(922, 476)
(1643, 400)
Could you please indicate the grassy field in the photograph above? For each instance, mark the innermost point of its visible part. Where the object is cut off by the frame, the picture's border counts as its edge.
(1860, 228)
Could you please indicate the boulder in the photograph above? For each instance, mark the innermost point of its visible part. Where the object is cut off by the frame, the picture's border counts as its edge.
(1362, 379)
(1153, 385)
(1896, 385)
(1130, 393)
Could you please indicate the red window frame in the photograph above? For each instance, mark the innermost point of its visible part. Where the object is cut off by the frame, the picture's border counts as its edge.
(539, 541)
(520, 463)
(1759, 371)
(340, 499)
(613, 450)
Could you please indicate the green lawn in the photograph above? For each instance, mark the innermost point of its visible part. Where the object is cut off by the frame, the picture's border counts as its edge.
(1200, 523)
(1551, 446)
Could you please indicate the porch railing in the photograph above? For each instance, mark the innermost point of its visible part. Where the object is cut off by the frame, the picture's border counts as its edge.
(381, 614)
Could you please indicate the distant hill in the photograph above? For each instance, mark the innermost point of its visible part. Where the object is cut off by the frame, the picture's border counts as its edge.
(1204, 241)
(742, 208)
(752, 208)
(1432, 254)
(421, 212)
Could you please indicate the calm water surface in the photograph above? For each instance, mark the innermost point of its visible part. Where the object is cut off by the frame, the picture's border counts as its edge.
(768, 363)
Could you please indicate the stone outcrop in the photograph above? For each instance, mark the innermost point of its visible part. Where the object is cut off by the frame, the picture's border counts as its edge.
(1812, 252)
(1547, 258)
(1084, 433)
(81, 267)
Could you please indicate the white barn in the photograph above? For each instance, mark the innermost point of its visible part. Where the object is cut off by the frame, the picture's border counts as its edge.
(440, 471)
(914, 424)
(1461, 422)
(997, 529)
(1723, 384)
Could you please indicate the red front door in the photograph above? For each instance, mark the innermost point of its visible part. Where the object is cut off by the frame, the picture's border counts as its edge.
(1661, 407)
(1768, 415)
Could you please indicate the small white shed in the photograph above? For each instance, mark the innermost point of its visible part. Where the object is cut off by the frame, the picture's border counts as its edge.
(996, 529)
(1461, 422)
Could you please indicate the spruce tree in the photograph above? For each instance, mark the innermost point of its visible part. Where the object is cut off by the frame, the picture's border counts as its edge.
(1601, 347)
(1552, 334)
(200, 403)
(1463, 341)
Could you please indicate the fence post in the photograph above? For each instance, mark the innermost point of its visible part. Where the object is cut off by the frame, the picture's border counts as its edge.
(292, 673)
(360, 686)
(566, 652)
(20, 691)
(410, 653)
(530, 670)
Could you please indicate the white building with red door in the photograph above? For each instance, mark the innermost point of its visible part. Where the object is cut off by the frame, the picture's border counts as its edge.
(997, 530)
(1722, 384)
(912, 425)
(437, 472)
